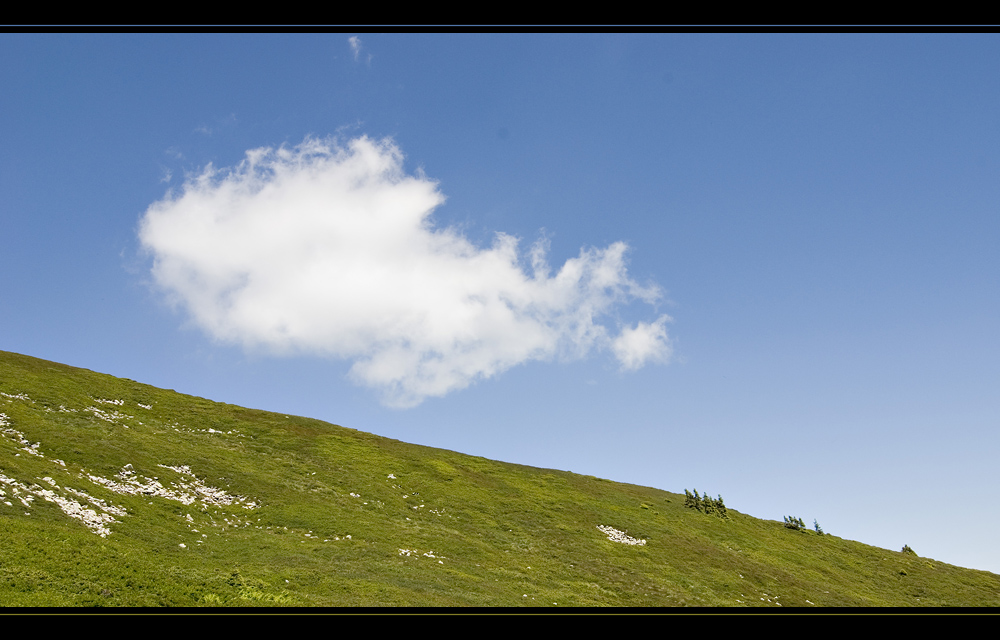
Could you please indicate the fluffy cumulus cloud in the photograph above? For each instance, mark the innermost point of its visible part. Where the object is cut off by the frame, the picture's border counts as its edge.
(647, 342)
(329, 249)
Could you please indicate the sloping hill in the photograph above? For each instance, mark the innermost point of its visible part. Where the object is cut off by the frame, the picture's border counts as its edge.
(115, 493)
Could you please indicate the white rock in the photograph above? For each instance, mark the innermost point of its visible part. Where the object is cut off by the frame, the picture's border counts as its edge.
(620, 536)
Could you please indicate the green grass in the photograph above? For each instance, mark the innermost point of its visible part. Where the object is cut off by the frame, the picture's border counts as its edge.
(447, 530)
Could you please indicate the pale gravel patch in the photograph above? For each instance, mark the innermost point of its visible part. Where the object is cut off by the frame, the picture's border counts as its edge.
(184, 429)
(112, 417)
(97, 502)
(184, 492)
(14, 434)
(126, 482)
(620, 536)
(96, 522)
(416, 554)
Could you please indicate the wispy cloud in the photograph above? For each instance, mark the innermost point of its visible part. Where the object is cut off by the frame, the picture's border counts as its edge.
(329, 249)
(226, 122)
(355, 43)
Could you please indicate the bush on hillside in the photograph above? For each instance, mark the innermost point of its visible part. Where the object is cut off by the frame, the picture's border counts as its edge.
(706, 504)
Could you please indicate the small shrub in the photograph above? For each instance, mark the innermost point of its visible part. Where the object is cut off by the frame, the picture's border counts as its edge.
(791, 522)
(818, 528)
(706, 504)
(720, 508)
(692, 501)
(907, 549)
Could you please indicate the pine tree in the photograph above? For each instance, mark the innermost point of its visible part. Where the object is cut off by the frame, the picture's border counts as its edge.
(705, 503)
(708, 503)
(720, 507)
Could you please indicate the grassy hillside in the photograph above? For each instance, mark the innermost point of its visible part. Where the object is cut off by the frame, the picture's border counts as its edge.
(115, 493)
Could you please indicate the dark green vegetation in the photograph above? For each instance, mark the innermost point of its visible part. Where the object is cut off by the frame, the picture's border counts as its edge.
(706, 504)
(284, 510)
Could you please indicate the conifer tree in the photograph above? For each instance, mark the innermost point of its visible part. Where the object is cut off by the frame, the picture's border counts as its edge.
(705, 503)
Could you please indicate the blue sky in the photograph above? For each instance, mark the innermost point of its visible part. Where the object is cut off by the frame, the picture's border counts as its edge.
(762, 266)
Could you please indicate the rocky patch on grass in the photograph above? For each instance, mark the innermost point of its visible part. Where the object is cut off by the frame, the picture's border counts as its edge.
(18, 437)
(185, 492)
(95, 521)
(615, 535)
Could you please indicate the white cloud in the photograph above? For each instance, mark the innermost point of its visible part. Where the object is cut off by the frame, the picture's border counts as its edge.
(329, 250)
(646, 343)
(355, 43)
